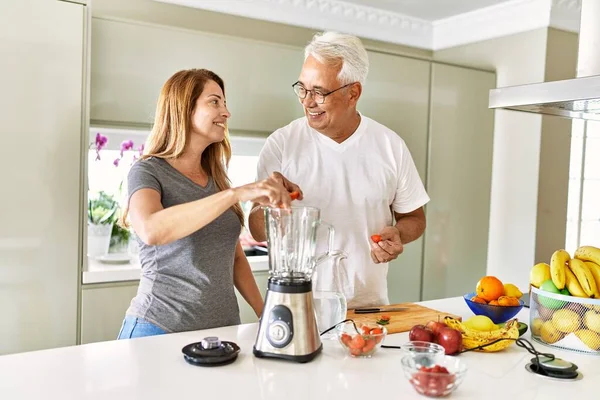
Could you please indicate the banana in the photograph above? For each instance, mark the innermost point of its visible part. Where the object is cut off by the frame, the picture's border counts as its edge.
(573, 285)
(595, 270)
(558, 264)
(473, 338)
(588, 253)
(585, 277)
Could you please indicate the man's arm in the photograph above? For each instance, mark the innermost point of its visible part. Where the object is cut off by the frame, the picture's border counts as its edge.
(256, 223)
(411, 225)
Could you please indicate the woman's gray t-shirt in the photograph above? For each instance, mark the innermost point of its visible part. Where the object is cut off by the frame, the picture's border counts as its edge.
(186, 284)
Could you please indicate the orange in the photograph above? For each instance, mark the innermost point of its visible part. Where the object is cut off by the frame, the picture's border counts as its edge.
(508, 301)
(476, 299)
(490, 288)
(494, 303)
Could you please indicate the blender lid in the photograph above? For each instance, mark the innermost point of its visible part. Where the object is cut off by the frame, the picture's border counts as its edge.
(210, 352)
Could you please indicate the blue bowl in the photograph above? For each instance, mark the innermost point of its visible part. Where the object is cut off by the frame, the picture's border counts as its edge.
(498, 314)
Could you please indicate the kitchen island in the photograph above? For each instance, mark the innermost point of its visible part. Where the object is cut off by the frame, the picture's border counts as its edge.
(154, 368)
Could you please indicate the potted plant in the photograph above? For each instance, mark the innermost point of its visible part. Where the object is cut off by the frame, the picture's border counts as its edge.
(104, 234)
(119, 239)
(102, 212)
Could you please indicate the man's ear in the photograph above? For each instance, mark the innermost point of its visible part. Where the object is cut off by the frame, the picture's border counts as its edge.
(355, 91)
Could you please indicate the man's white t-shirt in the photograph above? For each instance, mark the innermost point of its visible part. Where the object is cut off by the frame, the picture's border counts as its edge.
(354, 184)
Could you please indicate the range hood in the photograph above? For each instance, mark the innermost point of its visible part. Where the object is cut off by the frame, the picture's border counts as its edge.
(571, 98)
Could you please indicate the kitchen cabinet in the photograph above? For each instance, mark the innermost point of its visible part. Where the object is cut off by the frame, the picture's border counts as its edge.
(131, 62)
(42, 113)
(459, 181)
(103, 309)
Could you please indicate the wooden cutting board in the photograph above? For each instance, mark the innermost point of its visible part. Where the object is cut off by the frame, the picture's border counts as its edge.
(402, 321)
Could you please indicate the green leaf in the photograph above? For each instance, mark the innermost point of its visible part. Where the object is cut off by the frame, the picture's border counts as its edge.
(107, 217)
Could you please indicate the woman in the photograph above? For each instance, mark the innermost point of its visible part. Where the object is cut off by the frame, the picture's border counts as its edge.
(187, 217)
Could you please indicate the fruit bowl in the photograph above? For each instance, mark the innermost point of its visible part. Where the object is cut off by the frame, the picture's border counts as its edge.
(498, 314)
(362, 343)
(434, 375)
(575, 326)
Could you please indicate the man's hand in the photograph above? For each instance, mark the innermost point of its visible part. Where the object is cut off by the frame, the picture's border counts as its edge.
(389, 247)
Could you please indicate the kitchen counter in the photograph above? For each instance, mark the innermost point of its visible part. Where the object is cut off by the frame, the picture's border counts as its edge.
(153, 368)
(102, 272)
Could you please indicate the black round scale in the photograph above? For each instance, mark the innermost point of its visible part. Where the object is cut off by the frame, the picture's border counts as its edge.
(554, 368)
(210, 352)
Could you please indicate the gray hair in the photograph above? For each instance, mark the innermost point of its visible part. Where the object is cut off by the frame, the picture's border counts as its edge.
(333, 48)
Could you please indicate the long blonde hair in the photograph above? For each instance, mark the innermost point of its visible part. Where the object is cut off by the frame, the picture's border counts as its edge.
(172, 127)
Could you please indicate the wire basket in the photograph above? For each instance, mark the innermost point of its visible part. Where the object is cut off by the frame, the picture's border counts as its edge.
(565, 322)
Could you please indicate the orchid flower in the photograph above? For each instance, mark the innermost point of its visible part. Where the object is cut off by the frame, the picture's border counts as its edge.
(100, 143)
(126, 145)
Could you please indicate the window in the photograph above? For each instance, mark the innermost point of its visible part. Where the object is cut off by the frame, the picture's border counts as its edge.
(107, 176)
(583, 214)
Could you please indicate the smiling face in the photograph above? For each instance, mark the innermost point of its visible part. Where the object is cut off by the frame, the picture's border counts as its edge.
(209, 119)
(337, 114)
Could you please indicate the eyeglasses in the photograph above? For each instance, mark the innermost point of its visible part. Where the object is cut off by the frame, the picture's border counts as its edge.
(319, 97)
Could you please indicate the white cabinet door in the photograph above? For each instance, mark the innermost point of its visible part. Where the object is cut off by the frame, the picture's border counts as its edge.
(103, 310)
(41, 75)
(131, 62)
(460, 174)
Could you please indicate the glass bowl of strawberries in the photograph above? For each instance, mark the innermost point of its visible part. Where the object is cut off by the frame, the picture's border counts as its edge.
(435, 378)
(361, 340)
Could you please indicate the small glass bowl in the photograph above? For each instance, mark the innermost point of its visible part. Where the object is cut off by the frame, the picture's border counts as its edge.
(434, 384)
(361, 344)
(424, 353)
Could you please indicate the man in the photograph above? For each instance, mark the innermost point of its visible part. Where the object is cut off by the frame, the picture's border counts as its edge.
(358, 172)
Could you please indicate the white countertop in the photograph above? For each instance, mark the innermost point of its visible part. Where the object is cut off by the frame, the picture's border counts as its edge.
(103, 272)
(153, 368)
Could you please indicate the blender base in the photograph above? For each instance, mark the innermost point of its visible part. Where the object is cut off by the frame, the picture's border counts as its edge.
(296, 358)
(287, 328)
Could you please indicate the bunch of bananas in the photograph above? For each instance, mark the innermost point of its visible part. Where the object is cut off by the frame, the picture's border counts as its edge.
(579, 275)
(473, 338)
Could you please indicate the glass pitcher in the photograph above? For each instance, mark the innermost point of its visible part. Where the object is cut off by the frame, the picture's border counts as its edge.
(292, 241)
(329, 300)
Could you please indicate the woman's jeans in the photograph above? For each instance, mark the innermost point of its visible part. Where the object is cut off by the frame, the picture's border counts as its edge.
(138, 327)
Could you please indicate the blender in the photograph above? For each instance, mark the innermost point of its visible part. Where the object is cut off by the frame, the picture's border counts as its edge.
(288, 327)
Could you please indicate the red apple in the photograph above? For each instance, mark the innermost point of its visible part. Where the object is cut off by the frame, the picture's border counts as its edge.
(420, 333)
(450, 339)
(435, 327)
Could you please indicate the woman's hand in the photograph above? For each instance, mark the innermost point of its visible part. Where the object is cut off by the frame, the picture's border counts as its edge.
(290, 186)
(273, 191)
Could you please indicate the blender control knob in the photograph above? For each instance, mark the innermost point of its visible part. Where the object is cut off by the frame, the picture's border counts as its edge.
(279, 333)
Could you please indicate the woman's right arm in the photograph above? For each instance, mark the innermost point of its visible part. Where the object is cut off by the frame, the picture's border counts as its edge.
(156, 225)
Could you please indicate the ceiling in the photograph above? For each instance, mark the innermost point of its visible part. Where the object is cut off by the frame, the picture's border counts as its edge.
(424, 24)
(429, 10)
